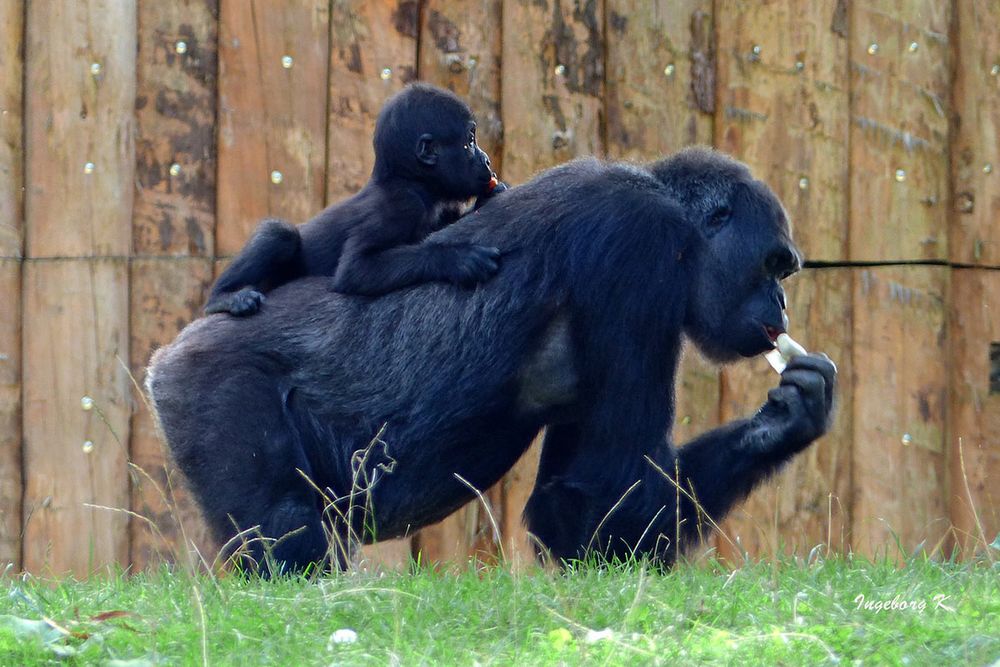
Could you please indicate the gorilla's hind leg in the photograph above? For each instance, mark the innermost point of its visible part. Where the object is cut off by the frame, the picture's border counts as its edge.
(271, 258)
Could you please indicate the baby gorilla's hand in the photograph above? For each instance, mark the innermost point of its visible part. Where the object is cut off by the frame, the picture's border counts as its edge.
(474, 264)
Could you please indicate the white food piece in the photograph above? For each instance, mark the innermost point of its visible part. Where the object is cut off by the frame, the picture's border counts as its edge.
(789, 348)
(786, 350)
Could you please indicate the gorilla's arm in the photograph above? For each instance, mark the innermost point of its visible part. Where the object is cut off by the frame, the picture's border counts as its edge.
(374, 263)
(725, 464)
(640, 513)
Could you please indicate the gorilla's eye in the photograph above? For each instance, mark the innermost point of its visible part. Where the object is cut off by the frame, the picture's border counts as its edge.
(719, 217)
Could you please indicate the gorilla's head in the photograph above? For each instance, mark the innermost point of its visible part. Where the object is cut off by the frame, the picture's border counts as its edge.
(743, 250)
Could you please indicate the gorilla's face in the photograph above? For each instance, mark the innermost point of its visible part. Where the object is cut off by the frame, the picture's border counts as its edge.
(737, 305)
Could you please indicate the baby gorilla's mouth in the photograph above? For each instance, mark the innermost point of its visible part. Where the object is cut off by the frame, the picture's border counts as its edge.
(773, 332)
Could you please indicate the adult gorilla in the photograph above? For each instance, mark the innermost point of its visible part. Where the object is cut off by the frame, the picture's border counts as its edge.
(605, 267)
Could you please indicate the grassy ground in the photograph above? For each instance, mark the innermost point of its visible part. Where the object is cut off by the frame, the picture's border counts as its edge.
(789, 613)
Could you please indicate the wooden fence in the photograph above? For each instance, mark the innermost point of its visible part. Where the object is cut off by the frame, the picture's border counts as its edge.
(141, 141)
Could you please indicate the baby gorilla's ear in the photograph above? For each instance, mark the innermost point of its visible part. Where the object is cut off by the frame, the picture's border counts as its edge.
(426, 151)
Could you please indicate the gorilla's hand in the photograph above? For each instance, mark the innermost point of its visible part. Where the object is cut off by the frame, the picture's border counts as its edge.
(800, 409)
(473, 264)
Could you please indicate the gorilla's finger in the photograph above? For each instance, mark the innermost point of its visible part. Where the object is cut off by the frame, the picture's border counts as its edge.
(811, 385)
(778, 397)
(823, 365)
(818, 362)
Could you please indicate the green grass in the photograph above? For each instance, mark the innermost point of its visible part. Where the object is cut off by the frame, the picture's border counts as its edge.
(788, 613)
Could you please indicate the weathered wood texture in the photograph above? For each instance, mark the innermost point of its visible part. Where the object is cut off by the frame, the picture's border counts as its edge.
(373, 54)
(80, 164)
(10, 411)
(75, 346)
(174, 218)
(783, 109)
(175, 109)
(460, 50)
(553, 59)
(973, 440)
(11, 248)
(518, 547)
(11, 128)
(551, 91)
(975, 147)
(660, 84)
(900, 357)
(900, 100)
(165, 295)
(273, 64)
(808, 502)
(79, 128)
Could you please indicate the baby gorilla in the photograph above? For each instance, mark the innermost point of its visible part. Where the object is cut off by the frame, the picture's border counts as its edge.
(427, 167)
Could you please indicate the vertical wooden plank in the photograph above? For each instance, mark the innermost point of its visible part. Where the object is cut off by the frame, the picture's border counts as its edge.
(10, 411)
(11, 145)
(551, 91)
(808, 502)
(79, 157)
(166, 294)
(660, 90)
(272, 125)
(900, 394)
(900, 97)
(79, 128)
(553, 83)
(11, 247)
(518, 546)
(460, 50)
(783, 109)
(973, 451)
(175, 128)
(373, 54)
(174, 232)
(975, 148)
(75, 333)
(392, 555)
(659, 97)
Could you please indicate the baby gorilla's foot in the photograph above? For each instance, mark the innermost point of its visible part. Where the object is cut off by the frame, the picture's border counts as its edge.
(240, 304)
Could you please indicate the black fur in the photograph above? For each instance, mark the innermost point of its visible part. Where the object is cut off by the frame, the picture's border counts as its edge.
(427, 165)
(606, 267)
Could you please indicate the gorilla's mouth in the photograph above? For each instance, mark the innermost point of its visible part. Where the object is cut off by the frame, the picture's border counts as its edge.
(773, 332)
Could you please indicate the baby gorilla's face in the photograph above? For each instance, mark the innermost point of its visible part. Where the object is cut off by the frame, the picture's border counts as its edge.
(463, 168)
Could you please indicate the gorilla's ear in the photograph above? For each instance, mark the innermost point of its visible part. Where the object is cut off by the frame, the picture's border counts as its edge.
(427, 150)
